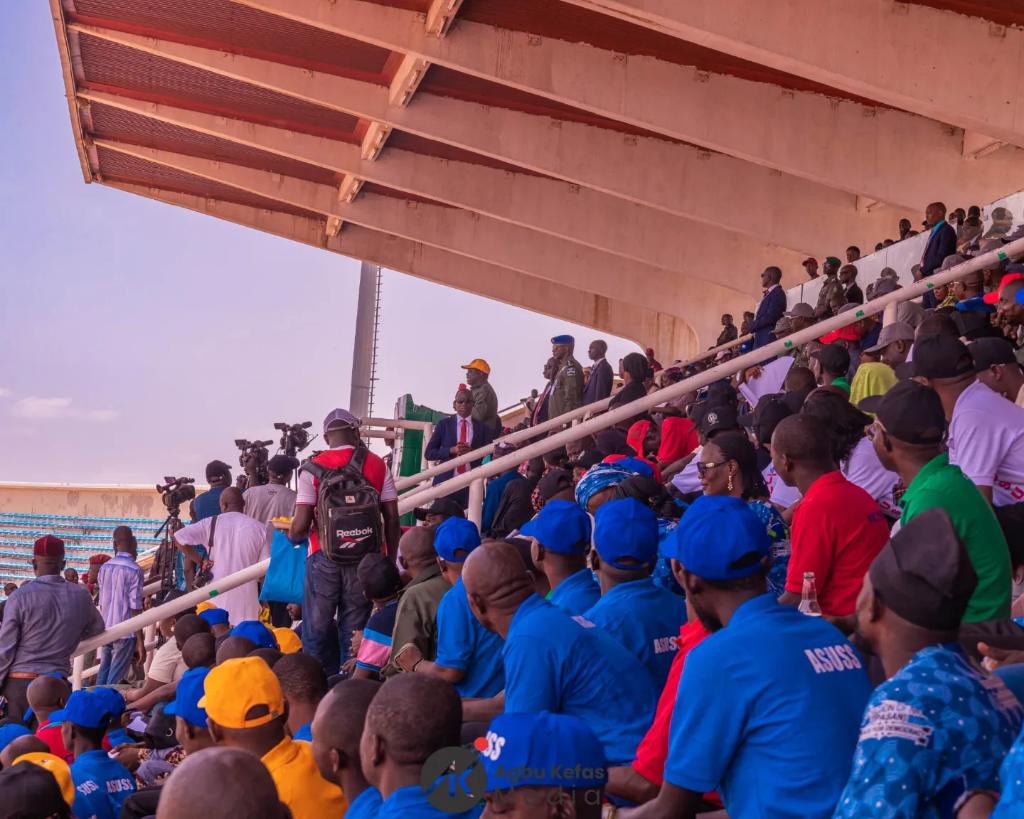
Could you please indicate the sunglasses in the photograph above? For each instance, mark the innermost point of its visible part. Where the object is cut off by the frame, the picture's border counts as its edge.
(703, 467)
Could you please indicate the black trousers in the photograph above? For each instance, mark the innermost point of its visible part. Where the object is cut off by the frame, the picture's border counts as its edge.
(16, 692)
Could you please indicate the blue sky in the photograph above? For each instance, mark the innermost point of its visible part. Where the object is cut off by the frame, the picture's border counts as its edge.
(138, 339)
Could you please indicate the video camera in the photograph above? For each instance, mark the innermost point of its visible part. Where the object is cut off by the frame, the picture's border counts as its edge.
(175, 492)
(294, 437)
(253, 459)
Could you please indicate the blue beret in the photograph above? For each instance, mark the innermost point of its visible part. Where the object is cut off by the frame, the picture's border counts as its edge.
(563, 340)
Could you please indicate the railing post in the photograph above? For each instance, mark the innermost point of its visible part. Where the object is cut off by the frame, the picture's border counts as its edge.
(77, 667)
(476, 502)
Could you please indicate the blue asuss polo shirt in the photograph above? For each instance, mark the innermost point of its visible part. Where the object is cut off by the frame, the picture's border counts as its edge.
(577, 593)
(464, 644)
(101, 786)
(768, 713)
(554, 662)
(411, 802)
(645, 620)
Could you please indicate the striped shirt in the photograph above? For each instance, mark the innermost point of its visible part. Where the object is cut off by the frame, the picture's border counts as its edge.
(375, 647)
(120, 581)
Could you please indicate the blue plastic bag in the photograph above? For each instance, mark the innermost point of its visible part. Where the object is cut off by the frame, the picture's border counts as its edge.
(287, 571)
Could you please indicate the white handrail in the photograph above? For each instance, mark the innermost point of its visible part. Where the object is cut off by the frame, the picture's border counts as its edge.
(410, 501)
(529, 433)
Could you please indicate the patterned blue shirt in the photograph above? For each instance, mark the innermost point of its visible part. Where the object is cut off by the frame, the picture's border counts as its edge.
(1011, 777)
(938, 729)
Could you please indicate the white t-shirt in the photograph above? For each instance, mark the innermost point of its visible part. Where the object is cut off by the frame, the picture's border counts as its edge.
(864, 469)
(307, 492)
(687, 481)
(773, 376)
(167, 665)
(239, 542)
(986, 440)
(780, 492)
(271, 500)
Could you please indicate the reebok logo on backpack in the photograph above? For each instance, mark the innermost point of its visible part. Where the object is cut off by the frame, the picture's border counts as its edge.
(348, 522)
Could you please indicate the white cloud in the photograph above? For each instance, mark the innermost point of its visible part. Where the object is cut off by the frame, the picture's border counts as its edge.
(35, 408)
(4, 392)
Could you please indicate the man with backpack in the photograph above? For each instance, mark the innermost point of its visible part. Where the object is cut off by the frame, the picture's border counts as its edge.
(348, 507)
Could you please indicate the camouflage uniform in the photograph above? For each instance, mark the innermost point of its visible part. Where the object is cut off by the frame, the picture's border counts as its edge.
(567, 390)
(831, 291)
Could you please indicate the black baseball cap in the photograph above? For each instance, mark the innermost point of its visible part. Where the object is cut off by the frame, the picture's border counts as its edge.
(941, 356)
(217, 469)
(446, 507)
(281, 464)
(910, 412)
(834, 359)
(718, 418)
(378, 576)
(554, 481)
(770, 410)
(988, 352)
(924, 573)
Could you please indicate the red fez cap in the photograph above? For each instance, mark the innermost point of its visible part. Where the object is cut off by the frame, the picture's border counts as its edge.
(49, 546)
(98, 560)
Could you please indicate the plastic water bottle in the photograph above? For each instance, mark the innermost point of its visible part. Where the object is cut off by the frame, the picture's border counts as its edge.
(809, 597)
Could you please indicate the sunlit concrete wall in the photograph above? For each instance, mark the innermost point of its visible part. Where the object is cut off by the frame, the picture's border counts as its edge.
(98, 500)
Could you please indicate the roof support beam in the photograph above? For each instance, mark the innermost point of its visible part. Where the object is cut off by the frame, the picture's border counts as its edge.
(680, 179)
(887, 155)
(901, 54)
(549, 206)
(646, 327)
(469, 234)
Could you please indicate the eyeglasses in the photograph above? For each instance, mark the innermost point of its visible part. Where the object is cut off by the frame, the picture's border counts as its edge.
(703, 467)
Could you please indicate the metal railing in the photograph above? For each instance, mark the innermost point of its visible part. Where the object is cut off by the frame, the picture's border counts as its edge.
(475, 478)
(530, 433)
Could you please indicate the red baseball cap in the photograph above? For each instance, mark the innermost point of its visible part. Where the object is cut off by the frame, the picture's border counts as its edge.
(48, 546)
(993, 297)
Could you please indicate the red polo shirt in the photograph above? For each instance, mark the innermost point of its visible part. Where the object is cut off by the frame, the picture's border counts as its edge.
(837, 531)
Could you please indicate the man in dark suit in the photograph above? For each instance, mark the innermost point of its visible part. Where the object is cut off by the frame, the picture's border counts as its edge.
(941, 243)
(770, 309)
(456, 435)
(599, 385)
(852, 294)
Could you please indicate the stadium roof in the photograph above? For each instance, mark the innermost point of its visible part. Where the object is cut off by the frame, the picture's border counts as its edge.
(625, 164)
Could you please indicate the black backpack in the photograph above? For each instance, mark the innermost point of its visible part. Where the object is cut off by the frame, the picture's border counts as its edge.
(347, 510)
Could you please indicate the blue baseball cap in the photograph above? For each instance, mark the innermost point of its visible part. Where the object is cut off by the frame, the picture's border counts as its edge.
(215, 617)
(113, 698)
(625, 528)
(186, 699)
(10, 732)
(719, 538)
(563, 339)
(89, 709)
(560, 527)
(542, 748)
(255, 631)
(455, 538)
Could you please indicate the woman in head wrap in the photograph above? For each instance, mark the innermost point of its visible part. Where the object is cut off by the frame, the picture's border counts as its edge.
(644, 438)
(728, 466)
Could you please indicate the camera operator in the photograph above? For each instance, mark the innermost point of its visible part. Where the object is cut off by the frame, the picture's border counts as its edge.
(273, 500)
(333, 589)
(218, 476)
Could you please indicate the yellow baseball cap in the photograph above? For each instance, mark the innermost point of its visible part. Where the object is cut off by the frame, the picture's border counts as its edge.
(56, 766)
(206, 604)
(287, 640)
(235, 687)
(478, 364)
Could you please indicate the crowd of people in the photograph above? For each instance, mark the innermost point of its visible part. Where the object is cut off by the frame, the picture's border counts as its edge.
(794, 592)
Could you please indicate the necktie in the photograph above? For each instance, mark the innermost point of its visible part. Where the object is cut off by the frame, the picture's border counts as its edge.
(462, 440)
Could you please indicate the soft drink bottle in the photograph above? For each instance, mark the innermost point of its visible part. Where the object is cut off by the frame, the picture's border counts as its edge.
(809, 597)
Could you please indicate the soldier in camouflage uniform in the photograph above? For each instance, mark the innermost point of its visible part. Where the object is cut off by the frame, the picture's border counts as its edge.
(830, 297)
(567, 389)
